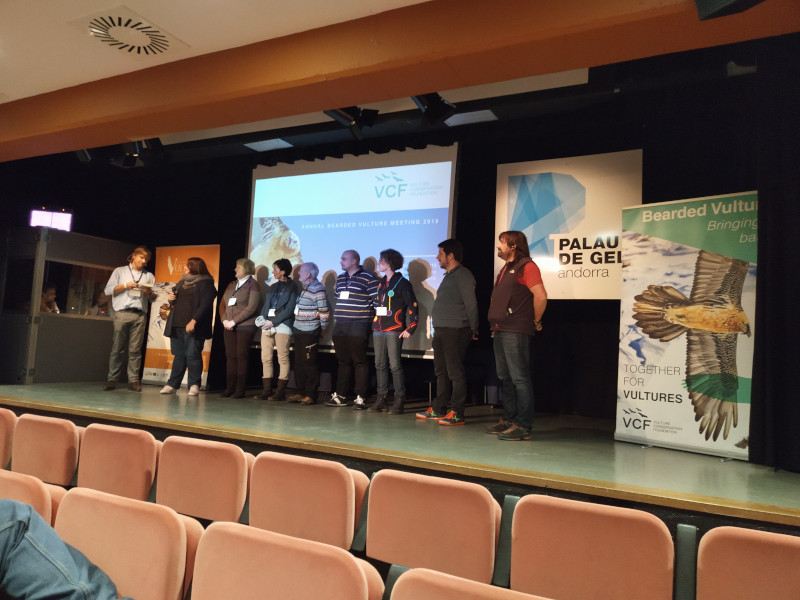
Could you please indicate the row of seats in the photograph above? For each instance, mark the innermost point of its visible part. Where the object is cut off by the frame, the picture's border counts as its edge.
(537, 545)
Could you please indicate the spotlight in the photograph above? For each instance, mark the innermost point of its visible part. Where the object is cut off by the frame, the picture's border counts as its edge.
(354, 118)
(434, 108)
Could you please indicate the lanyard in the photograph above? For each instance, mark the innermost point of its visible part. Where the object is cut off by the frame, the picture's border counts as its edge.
(390, 293)
(141, 274)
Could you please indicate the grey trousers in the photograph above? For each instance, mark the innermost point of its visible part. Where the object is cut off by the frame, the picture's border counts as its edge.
(128, 337)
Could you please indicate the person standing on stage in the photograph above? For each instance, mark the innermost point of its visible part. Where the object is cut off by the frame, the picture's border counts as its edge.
(237, 311)
(396, 318)
(355, 291)
(188, 325)
(310, 322)
(455, 323)
(131, 291)
(275, 322)
(515, 315)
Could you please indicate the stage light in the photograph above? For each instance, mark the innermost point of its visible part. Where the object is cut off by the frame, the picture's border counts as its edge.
(354, 118)
(434, 108)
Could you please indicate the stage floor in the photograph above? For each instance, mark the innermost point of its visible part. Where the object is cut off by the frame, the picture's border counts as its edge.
(567, 453)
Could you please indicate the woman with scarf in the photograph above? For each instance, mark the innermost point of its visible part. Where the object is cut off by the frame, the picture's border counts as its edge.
(189, 324)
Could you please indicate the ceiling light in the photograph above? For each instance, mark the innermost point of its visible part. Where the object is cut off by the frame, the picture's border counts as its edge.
(434, 107)
(354, 118)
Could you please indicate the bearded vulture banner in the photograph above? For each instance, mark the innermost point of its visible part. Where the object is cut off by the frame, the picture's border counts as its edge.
(686, 324)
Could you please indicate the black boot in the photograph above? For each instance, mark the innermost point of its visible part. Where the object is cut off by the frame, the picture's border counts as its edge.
(397, 406)
(379, 406)
(267, 389)
(280, 391)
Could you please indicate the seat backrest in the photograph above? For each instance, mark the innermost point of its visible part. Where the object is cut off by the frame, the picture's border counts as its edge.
(574, 550)
(734, 562)
(441, 524)
(140, 545)
(27, 489)
(45, 447)
(8, 421)
(309, 498)
(248, 563)
(202, 478)
(118, 460)
(424, 584)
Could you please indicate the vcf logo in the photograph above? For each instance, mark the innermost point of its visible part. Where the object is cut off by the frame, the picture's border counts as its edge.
(635, 419)
(389, 186)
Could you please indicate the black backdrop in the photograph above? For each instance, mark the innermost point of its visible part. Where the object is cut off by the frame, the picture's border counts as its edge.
(701, 136)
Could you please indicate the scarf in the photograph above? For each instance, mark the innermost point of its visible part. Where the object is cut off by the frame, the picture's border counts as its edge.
(190, 280)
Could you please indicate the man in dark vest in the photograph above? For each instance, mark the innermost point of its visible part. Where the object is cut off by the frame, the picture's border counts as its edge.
(515, 315)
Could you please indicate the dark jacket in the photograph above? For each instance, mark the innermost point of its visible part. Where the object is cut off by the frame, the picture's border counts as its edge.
(402, 304)
(202, 308)
(282, 297)
(511, 306)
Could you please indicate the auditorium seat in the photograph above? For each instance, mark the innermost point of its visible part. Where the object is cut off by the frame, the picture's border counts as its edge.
(27, 489)
(8, 421)
(424, 584)
(47, 448)
(734, 562)
(204, 479)
(309, 498)
(573, 550)
(432, 522)
(142, 546)
(248, 563)
(118, 460)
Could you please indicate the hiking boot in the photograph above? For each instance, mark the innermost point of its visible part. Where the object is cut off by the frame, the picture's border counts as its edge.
(515, 433)
(359, 404)
(336, 400)
(135, 386)
(429, 415)
(498, 427)
(397, 406)
(379, 406)
(452, 418)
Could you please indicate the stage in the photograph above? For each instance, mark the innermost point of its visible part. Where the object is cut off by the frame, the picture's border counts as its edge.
(568, 454)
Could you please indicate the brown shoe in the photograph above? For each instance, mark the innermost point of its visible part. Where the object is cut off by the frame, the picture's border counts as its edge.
(307, 400)
(109, 385)
(135, 386)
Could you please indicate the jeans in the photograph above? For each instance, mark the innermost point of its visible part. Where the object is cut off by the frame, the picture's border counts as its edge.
(387, 347)
(36, 564)
(351, 354)
(188, 352)
(269, 343)
(450, 346)
(512, 353)
(306, 368)
(128, 335)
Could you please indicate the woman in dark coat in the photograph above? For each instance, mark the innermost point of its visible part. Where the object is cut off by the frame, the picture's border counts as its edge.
(189, 324)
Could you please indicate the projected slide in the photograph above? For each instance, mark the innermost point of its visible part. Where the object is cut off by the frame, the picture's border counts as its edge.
(314, 217)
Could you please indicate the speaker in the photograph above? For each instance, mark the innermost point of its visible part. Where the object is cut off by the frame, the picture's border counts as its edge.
(711, 9)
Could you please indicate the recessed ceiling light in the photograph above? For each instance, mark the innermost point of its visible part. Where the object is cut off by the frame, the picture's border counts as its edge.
(266, 145)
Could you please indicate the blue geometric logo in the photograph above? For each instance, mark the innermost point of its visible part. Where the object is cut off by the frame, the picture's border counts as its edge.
(542, 204)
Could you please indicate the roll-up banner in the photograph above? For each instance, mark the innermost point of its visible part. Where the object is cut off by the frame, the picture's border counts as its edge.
(169, 264)
(686, 324)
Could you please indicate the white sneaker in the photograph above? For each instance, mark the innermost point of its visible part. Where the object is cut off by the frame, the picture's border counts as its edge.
(194, 390)
(167, 389)
(359, 404)
(336, 400)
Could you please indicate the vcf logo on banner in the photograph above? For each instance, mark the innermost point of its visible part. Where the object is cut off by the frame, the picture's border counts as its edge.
(686, 324)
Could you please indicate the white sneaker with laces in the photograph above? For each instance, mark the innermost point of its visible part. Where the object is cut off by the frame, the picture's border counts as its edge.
(167, 389)
(194, 390)
(336, 400)
(359, 404)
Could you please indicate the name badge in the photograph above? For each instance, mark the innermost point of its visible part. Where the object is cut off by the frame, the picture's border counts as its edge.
(231, 301)
(344, 295)
(135, 293)
(271, 312)
(297, 310)
(382, 311)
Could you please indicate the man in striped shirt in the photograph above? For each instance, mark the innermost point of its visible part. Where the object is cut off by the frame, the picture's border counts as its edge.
(355, 291)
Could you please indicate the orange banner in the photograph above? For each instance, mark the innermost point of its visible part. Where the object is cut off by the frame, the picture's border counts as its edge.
(170, 261)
